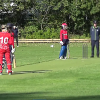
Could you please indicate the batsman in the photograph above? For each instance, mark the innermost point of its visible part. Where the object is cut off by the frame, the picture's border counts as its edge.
(64, 41)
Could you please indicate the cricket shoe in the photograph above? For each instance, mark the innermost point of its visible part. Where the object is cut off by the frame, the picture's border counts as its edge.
(92, 56)
(10, 73)
(61, 57)
(65, 57)
(7, 71)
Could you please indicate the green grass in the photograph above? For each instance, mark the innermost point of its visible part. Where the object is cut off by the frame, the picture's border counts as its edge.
(41, 75)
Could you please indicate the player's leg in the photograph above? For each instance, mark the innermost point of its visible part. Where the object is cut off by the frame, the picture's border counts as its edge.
(62, 52)
(92, 47)
(4, 65)
(1, 60)
(65, 52)
(11, 54)
(8, 60)
(17, 41)
(97, 47)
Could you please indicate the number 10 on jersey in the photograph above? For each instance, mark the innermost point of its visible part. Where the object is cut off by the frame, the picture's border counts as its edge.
(4, 40)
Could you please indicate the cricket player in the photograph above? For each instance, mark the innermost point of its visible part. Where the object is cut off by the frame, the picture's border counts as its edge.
(63, 41)
(5, 42)
(9, 25)
(12, 47)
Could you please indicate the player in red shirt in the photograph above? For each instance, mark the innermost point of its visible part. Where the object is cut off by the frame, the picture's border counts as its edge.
(5, 42)
(63, 41)
(10, 26)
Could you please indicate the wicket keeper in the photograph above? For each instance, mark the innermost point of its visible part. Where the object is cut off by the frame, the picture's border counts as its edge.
(63, 41)
(94, 33)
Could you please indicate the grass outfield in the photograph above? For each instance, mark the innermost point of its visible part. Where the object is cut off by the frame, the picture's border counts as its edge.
(41, 75)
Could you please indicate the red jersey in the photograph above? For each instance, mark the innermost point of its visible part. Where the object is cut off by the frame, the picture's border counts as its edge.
(63, 34)
(5, 40)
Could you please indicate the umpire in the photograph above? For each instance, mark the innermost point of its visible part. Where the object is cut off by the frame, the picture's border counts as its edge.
(15, 30)
(94, 33)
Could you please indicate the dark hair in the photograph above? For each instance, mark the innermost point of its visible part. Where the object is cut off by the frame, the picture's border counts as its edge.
(9, 29)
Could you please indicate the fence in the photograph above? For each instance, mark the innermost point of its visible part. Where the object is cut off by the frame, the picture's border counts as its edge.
(52, 40)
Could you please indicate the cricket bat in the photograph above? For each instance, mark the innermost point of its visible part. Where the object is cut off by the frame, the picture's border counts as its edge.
(68, 51)
(14, 61)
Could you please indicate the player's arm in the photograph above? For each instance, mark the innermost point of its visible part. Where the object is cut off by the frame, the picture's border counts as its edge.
(61, 37)
(11, 42)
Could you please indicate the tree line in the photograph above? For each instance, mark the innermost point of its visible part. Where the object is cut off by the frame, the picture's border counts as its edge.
(44, 14)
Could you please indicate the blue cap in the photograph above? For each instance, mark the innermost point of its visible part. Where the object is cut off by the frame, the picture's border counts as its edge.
(95, 22)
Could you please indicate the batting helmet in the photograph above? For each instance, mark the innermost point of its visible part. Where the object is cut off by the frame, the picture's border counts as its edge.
(9, 25)
(63, 24)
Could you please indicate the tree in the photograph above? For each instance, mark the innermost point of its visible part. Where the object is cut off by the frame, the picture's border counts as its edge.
(78, 14)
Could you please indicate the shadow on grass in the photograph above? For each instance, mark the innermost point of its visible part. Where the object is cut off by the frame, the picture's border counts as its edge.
(97, 97)
(36, 62)
(32, 63)
(25, 72)
(22, 96)
(42, 96)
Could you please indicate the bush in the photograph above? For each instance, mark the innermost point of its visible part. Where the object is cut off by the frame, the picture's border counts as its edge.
(32, 32)
(77, 36)
(28, 31)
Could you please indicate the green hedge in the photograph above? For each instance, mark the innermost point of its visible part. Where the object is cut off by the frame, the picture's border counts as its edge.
(32, 32)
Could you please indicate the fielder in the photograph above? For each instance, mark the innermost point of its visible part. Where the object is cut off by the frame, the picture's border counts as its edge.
(63, 41)
(5, 42)
(12, 47)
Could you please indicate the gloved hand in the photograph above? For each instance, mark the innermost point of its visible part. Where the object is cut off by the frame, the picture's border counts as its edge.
(13, 50)
(61, 42)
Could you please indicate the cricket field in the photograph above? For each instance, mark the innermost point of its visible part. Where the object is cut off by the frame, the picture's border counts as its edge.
(41, 75)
